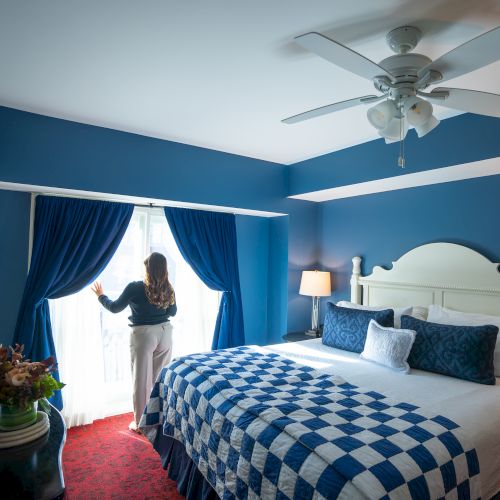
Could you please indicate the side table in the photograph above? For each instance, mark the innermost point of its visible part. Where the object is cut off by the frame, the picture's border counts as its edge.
(34, 470)
(297, 337)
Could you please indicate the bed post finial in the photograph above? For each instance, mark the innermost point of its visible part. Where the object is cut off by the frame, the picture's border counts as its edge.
(355, 286)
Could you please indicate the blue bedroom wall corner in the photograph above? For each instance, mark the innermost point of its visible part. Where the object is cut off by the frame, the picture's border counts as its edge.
(253, 260)
(40, 150)
(277, 306)
(304, 254)
(272, 252)
(14, 231)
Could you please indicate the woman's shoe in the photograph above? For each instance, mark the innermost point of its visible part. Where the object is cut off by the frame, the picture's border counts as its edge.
(133, 427)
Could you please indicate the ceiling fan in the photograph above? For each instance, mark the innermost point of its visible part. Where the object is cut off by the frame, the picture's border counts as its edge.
(402, 78)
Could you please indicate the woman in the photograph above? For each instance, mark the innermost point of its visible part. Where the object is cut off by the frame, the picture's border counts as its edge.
(152, 303)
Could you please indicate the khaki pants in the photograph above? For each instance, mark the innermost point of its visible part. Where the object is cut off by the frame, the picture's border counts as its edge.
(150, 351)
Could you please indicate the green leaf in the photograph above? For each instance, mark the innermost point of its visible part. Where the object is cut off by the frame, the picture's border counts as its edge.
(45, 405)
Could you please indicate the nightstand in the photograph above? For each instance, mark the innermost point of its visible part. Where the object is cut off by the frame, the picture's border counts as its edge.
(297, 336)
(33, 470)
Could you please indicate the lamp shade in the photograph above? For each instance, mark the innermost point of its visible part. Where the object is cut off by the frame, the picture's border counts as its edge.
(315, 284)
(381, 114)
(395, 131)
(418, 112)
(431, 124)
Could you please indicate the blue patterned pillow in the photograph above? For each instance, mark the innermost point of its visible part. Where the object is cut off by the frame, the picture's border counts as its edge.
(346, 328)
(464, 352)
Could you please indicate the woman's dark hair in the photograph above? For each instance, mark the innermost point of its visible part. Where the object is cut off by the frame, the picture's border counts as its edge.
(158, 289)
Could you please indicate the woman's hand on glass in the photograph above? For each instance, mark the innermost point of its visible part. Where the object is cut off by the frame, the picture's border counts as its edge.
(96, 287)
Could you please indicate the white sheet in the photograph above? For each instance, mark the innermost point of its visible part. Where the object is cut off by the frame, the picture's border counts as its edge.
(474, 407)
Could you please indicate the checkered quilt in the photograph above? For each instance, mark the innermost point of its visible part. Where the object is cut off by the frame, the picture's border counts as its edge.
(258, 425)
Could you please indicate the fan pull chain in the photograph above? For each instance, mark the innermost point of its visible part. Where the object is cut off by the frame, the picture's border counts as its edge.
(401, 159)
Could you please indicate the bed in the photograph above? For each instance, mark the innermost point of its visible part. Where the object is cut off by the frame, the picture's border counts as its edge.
(440, 273)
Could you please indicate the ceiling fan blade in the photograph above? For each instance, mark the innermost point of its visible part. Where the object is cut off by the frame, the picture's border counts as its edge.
(341, 56)
(467, 57)
(472, 101)
(330, 108)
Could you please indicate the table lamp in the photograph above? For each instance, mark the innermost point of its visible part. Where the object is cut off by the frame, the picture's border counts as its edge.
(315, 284)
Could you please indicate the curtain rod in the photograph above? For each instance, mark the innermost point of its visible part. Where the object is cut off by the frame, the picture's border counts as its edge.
(103, 198)
(138, 201)
(135, 204)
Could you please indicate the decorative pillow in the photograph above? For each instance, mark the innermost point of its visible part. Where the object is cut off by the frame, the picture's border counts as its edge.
(388, 346)
(443, 316)
(464, 352)
(346, 328)
(398, 311)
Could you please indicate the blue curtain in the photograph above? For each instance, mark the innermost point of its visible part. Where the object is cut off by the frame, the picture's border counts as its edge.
(207, 241)
(73, 242)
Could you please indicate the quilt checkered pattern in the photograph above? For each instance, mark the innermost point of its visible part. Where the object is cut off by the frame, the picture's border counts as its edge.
(262, 426)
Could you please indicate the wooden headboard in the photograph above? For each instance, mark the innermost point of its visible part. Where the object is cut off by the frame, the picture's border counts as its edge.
(446, 274)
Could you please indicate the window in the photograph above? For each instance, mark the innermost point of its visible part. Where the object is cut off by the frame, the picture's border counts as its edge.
(93, 344)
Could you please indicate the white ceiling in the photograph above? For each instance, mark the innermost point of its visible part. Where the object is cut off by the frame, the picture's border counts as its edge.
(219, 74)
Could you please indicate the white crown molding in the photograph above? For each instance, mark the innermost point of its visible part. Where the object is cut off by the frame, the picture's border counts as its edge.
(461, 172)
(135, 200)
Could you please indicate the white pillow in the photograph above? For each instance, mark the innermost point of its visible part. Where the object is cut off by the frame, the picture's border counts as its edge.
(398, 311)
(420, 312)
(444, 316)
(388, 346)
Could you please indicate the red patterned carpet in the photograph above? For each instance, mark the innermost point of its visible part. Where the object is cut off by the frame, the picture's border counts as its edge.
(107, 461)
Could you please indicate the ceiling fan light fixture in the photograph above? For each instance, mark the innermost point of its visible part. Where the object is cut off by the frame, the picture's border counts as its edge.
(418, 111)
(424, 129)
(389, 140)
(395, 130)
(381, 115)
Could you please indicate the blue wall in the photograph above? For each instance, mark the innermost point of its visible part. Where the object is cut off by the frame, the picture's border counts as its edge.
(278, 304)
(272, 254)
(457, 140)
(382, 227)
(45, 151)
(14, 234)
(253, 256)
(253, 235)
(39, 150)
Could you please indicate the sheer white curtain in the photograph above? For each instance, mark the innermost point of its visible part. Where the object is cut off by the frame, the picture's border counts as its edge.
(77, 336)
(92, 344)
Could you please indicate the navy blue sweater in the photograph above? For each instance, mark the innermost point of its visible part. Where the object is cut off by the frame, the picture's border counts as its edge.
(143, 312)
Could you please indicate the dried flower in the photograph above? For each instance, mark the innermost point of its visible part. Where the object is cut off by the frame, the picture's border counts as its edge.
(22, 381)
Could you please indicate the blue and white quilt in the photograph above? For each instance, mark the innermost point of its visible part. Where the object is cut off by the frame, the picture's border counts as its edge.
(258, 425)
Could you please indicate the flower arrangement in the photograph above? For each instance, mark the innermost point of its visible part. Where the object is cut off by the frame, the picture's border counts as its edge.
(22, 382)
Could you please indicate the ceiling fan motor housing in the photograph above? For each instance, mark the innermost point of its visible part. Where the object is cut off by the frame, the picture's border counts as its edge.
(404, 69)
